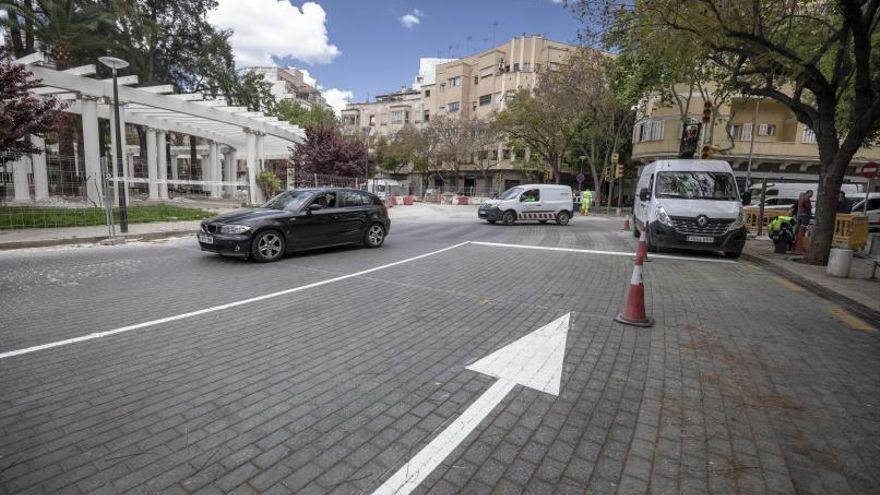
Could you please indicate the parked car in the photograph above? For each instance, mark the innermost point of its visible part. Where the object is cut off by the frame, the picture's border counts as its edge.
(298, 220)
(541, 202)
(691, 204)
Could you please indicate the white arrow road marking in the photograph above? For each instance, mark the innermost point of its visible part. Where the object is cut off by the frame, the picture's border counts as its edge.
(534, 361)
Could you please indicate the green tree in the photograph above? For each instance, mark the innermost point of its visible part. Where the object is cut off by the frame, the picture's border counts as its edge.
(255, 93)
(304, 116)
(817, 58)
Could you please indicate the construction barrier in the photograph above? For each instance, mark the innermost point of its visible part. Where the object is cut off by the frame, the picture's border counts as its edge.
(752, 217)
(462, 200)
(408, 200)
(850, 230)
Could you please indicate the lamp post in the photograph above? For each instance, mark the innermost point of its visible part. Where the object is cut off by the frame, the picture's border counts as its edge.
(115, 64)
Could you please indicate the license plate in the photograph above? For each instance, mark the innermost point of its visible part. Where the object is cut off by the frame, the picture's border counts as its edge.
(699, 238)
(206, 239)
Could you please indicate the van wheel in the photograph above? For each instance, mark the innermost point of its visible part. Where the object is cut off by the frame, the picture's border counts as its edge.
(652, 248)
(563, 217)
(509, 217)
(733, 254)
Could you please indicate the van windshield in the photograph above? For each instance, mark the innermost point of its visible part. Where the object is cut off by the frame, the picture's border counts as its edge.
(511, 193)
(696, 185)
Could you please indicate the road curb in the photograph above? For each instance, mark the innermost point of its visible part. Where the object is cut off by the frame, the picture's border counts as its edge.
(147, 236)
(864, 312)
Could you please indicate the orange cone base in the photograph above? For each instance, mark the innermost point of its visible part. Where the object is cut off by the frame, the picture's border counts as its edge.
(625, 224)
(647, 322)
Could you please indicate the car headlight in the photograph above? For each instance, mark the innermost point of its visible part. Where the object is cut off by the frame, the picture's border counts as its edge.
(738, 223)
(234, 229)
(663, 217)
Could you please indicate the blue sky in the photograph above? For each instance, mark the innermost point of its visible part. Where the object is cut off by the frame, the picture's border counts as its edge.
(370, 47)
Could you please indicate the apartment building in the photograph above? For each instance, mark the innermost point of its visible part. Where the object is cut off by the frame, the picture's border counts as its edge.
(290, 83)
(470, 87)
(783, 149)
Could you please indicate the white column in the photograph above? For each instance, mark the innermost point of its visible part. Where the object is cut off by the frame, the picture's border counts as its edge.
(162, 164)
(175, 167)
(91, 152)
(230, 164)
(152, 164)
(251, 157)
(41, 174)
(214, 165)
(20, 169)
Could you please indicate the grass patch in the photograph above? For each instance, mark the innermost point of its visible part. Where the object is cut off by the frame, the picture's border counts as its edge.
(29, 217)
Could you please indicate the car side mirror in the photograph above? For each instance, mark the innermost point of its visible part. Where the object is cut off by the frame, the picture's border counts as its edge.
(314, 207)
(644, 194)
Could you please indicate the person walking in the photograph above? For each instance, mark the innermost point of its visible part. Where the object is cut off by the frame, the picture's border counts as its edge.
(843, 205)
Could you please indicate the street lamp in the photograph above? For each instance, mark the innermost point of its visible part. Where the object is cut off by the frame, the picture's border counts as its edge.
(115, 64)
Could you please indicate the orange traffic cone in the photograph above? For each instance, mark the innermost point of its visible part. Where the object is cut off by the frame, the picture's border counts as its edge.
(799, 241)
(625, 223)
(634, 311)
(642, 247)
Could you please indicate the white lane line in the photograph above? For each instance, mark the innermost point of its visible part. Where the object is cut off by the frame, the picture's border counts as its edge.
(593, 251)
(167, 319)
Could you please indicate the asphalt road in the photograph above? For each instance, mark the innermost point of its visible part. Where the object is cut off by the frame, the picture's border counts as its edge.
(342, 373)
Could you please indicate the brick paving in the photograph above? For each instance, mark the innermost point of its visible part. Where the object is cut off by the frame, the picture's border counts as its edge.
(742, 386)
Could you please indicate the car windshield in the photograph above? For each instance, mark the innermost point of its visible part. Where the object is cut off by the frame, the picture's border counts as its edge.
(511, 193)
(696, 185)
(289, 201)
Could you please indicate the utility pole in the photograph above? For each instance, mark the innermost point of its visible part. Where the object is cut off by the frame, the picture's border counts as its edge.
(114, 64)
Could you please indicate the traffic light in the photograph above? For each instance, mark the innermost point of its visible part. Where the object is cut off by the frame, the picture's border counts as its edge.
(618, 171)
(707, 111)
(607, 173)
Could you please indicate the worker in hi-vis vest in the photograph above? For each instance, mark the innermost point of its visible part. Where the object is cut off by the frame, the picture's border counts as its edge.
(586, 199)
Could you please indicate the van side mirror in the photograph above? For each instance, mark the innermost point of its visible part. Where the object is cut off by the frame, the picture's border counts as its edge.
(644, 194)
(746, 198)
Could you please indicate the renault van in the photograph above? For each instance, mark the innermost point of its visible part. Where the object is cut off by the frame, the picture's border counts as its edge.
(690, 204)
(541, 202)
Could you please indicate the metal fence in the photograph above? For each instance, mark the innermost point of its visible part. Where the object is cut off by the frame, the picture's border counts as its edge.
(71, 198)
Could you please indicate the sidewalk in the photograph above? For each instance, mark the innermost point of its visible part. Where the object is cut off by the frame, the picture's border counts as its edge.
(27, 238)
(856, 291)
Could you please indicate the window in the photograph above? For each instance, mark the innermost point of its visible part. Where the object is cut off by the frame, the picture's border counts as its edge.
(657, 130)
(766, 130)
(741, 132)
(327, 200)
(427, 116)
(516, 67)
(372, 122)
(696, 185)
(485, 100)
(648, 130)
(498, 98)
(351, 120)
(406, 117)
(453, 106)
(505, 154)
(455, 82)
(483, 154)
(474, 105)
(527, 67)
(442, 87)
(808, 136)
(495, 155)
(353, 198)
(476, 80)
(530, 196)
(427, 93)
(397, 117)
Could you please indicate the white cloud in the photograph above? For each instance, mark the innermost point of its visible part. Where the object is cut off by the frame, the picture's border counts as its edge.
(412, 19)
(308, 79)
(337, 98)
(263, 28)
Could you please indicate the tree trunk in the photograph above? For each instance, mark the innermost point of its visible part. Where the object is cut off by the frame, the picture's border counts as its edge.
(557, 166)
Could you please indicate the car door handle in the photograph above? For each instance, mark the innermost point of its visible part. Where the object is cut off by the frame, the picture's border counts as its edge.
(335, 217)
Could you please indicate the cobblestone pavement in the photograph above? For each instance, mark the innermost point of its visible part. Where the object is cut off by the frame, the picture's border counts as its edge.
(746, 384)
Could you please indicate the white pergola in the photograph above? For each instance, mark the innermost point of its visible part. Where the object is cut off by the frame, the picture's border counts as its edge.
(233, 132)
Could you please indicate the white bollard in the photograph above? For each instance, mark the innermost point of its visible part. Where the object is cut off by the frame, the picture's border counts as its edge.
(839, 262)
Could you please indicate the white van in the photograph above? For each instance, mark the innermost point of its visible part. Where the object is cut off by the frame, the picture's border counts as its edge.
(541, 202)
(783, 195)
(691, 204)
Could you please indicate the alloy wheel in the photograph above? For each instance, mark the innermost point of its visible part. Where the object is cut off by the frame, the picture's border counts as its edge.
(269, 246)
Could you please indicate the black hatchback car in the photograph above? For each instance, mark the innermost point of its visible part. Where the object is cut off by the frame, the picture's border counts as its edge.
(298, 220)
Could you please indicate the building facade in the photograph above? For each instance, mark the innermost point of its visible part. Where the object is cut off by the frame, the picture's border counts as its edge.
(470, 87)
(781, 148)
(290, 83)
